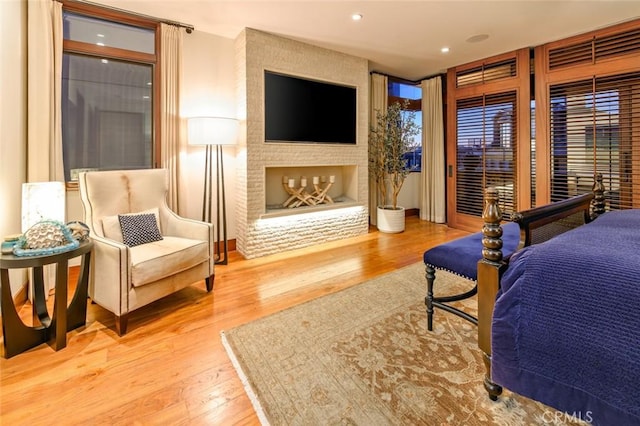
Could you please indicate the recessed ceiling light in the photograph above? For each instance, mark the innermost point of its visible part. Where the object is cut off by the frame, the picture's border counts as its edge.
(445, 50)
(100, 35)
(100, 44)
(356, 16)
(477, 38)
(105, 61)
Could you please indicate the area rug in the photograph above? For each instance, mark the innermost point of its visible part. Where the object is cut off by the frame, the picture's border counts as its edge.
(363, 356)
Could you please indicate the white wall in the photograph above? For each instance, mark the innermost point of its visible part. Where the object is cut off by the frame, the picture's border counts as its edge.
(409, 196)
(208, 89)
(13, 86)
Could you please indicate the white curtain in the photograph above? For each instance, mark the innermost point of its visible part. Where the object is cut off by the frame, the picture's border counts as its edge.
(378, 94)
(432, 194)
(171, 142)
(44, 105)
(44, 68)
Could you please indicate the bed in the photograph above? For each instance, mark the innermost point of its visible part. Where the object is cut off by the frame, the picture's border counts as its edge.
(558, 321)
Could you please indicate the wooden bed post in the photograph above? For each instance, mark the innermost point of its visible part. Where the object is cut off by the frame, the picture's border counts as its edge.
(492, 266)
(490, 269)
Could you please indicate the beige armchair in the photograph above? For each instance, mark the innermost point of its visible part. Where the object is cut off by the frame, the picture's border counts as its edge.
(125, 277)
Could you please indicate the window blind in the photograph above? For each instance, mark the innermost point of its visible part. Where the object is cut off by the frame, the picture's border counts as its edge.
(486, 73)
(533, 152)
(595, 49)
(486, 151)
(595, 128)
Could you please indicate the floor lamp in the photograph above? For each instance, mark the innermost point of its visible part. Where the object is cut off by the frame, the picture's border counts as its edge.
(214, 133)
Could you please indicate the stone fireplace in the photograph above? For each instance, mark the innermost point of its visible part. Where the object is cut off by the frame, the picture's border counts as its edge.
(264, 226)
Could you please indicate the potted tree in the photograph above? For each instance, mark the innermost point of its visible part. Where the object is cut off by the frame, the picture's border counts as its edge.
(390, 139)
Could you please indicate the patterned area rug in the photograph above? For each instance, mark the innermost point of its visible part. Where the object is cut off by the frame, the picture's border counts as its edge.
(363, 356)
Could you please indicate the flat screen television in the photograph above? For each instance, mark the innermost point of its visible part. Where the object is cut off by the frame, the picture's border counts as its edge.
(302, 110)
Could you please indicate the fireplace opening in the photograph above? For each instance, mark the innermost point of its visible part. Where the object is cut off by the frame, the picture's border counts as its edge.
(294, 190)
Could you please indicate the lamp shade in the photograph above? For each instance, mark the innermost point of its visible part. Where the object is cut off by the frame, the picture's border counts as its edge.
(42, 201)
(212, 131)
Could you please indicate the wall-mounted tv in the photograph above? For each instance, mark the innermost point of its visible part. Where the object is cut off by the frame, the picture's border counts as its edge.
(302, 110)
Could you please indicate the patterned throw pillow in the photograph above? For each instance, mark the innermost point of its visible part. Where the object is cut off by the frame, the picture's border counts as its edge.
(139, 229)
(111, 224)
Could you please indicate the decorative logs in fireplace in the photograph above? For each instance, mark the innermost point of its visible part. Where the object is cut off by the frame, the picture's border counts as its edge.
(299, 196)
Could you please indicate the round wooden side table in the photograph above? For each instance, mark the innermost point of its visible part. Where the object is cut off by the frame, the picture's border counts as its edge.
(19, 337)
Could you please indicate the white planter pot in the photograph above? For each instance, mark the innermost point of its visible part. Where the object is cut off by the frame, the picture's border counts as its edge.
(390, 220)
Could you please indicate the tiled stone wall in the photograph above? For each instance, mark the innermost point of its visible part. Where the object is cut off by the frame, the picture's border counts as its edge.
(255, 52)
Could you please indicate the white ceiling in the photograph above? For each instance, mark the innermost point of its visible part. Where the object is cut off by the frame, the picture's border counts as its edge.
(400, 38)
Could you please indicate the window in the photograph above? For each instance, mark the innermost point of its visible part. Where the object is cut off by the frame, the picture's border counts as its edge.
(399, 92)
(488, 137)
(592, 130)
(108, 91)
(588, 116)
(486, 151)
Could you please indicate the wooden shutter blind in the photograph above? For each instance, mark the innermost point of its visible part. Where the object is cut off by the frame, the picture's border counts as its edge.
(589, 88)
(486, 151)
(595, 128)
(485, 73)
(616, 45)
(595, 49)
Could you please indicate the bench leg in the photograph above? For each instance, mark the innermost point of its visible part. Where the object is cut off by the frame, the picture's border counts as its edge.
(431, 276)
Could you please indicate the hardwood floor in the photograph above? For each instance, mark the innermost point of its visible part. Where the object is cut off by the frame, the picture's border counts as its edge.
(171, 367)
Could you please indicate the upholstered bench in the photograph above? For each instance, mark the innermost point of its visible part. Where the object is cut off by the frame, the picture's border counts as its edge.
(461, 257)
